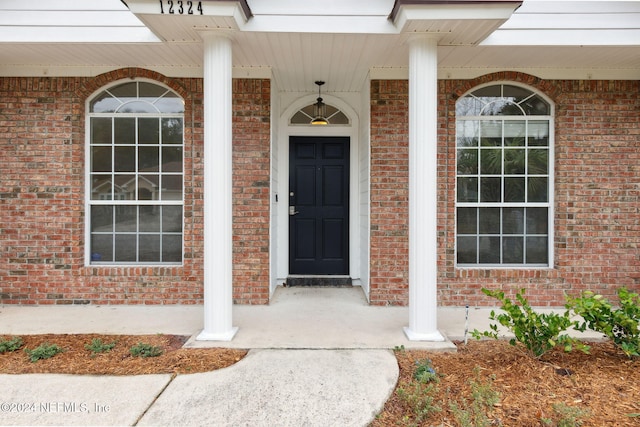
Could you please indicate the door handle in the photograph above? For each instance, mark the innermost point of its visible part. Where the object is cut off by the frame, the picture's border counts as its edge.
(292, 210)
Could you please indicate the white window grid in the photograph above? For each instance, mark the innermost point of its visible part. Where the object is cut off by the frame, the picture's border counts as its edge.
(120, 199)
(525, 204)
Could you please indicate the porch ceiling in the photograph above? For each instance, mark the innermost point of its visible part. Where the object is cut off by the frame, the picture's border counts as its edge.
(271, 44)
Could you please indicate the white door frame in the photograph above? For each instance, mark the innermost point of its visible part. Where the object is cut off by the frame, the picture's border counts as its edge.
(280, 181)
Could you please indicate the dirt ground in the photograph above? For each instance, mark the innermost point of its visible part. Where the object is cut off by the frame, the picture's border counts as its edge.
(603, 386)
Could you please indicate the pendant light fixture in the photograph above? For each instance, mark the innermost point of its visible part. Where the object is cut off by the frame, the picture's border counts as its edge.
(319, 109)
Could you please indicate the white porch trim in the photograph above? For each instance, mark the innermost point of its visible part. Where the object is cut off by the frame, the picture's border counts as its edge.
(289, 104)
(217, 189)
(423, 190)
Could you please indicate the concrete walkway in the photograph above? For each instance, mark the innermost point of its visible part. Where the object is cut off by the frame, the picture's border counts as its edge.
(318, 357)
(266, 388)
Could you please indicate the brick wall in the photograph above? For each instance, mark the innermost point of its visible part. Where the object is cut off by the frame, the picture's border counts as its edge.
(40, 189)
(597, 194)
(251, 163)
(389, 264)
(42, 144)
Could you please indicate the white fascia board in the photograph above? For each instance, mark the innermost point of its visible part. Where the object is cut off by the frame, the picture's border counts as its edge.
(600, 21)
(320, 24)
(217, 8)
(578, 6)
(626, 37)
(156, 17)
(40, 5)
(500, 12)
(69, 18)
(320, 8)
(77, 35)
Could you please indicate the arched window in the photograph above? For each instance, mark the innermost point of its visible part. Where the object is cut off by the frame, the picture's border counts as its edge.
(135, 175)
(504, 178)
(334, 116)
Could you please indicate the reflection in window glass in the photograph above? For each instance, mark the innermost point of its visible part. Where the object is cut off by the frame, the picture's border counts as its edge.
(124, 130)
(136, 174)
(148, 131)
(503, 168)
(334, 116)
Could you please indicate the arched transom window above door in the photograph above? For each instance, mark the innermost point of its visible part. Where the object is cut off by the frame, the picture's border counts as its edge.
(305, 116)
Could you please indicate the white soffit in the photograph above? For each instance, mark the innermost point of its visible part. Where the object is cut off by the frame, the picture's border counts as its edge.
(452, 24)
(326, 16)
(571, 23)
(68, 21)
(90, 37)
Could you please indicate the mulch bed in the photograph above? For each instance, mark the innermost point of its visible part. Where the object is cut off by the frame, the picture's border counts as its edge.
(605, 383)
(76, 359)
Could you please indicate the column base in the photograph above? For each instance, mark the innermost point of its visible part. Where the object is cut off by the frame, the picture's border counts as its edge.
(224, 336)
(414, 336)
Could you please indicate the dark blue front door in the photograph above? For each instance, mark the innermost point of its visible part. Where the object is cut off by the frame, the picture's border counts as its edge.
(318, 205)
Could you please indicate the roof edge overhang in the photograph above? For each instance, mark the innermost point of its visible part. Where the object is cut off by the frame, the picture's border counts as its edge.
(452, 22)
(174, 22)
(213, 7)
(401, 4)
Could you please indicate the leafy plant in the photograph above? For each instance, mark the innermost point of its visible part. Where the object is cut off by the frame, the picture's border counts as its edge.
(43, 351)
(483, 398)
(420, 400)
(12, 344)
(538, 332)
(97, 346)
(424, 372)
(566, 416)
(145, 350)
(620, 324)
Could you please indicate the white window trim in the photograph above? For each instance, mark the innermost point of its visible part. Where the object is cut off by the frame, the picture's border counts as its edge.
(550, 204)
(88, 203)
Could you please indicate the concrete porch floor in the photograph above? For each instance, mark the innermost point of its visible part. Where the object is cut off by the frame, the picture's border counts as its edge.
(296, 318)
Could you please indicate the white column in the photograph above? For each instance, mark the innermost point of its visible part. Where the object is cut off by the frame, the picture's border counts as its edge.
(423, 190)
(217, 224)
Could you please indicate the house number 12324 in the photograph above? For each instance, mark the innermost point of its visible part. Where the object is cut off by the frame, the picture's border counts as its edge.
(179, 7)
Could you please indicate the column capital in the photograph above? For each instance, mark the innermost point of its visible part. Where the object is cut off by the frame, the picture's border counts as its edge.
(431, 38)
(215, 33)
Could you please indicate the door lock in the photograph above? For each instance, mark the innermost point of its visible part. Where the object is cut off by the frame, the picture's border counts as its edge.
(292, 210)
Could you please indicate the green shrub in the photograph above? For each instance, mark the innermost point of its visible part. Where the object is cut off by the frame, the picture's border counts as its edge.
(12, 344)
(43, 351)
(619, 324)
(538, 332)
(97, 346)
(145, 350)
(424, 372)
